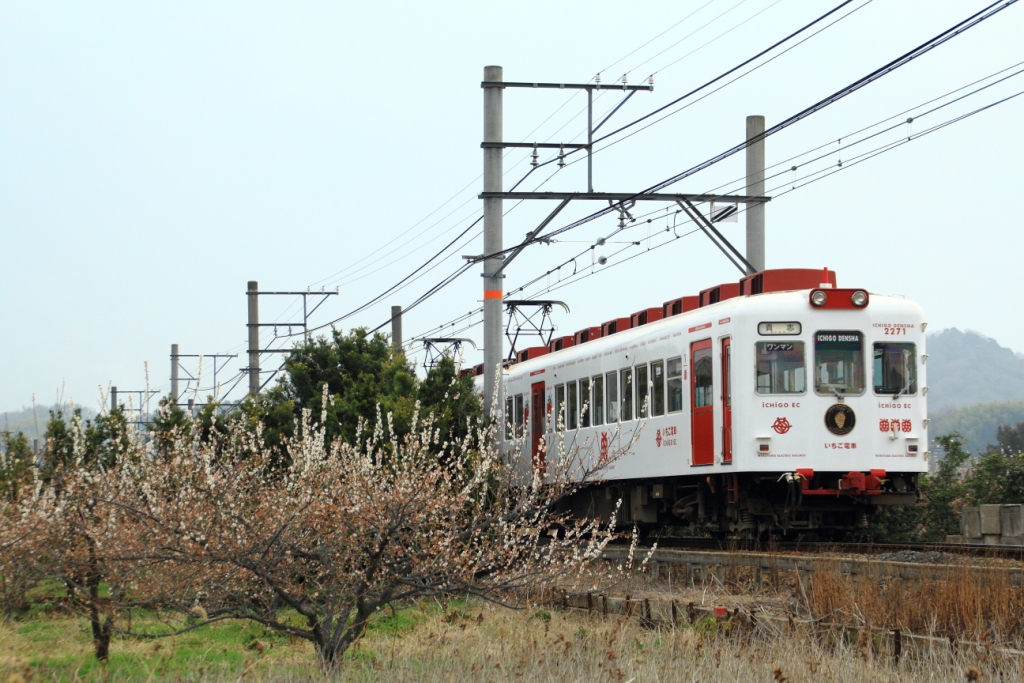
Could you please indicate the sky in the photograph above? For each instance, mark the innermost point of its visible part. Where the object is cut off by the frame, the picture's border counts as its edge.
(154, 157)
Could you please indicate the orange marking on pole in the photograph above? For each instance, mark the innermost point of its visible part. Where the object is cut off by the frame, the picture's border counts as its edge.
(492, 294)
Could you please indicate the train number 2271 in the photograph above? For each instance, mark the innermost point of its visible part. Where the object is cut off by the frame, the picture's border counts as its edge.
(891, 331)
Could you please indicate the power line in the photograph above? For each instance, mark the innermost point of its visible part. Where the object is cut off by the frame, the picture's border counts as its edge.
(827, 171)
(875, 75)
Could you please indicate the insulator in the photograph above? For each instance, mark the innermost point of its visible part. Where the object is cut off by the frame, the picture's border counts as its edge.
(597, 78)
(533, 157)
(602, 260)
(561, 157)
(650, 80)
(624, 81)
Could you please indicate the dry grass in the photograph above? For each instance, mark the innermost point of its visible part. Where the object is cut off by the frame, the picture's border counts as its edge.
(480, 642)
(957, 601)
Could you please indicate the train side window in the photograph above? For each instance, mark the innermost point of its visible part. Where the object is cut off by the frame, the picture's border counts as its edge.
(572, 407)
(598, 403)
(895, 369)
(839, 362)
(509, 417)
(675, 385)
(559, 416)
(657, 388)
(586, 403)
(780, 368)
(703, 379)
(519, 415)
(626, 392)
(612, 397)
(643, 407)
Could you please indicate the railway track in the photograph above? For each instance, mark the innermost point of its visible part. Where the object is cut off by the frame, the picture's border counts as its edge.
(832, 547)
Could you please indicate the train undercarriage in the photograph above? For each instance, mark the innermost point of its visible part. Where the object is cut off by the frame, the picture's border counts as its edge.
(748, 505)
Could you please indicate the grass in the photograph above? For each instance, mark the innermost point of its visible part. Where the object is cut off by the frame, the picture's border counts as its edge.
(471, 641)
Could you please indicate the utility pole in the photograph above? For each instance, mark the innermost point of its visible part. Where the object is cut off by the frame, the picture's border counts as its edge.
(254, 338)
(396, 328)
(493, 290)
(254, 326)
(755, 188)
(174, 374)
(494, 259)
(113, 399)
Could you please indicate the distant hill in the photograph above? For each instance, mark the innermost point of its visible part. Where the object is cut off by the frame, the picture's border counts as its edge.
(967, 369)
(977, 424)
(33, 423)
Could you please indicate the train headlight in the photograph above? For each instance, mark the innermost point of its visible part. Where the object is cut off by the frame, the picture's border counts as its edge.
(818, 298)
(859, 298)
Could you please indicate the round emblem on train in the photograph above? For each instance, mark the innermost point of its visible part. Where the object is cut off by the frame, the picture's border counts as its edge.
(840, 419)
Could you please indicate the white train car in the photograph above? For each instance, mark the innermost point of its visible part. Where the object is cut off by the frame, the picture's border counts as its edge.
(779, 403)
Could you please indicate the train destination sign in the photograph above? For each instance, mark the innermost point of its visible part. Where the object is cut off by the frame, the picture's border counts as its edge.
(778, 329)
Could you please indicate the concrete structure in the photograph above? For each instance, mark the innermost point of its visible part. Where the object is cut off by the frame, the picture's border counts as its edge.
(254, 338)
(174, 374)
(755, 186)
(493, 290)
(396, 328)
(991, 525)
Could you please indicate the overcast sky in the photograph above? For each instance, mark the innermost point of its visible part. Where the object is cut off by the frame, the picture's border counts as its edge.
(156, 156)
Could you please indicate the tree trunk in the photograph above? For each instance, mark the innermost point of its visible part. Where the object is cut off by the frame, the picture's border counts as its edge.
(102, 631)
(330, 649)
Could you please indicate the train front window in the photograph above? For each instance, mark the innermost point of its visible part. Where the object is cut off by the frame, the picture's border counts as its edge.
(675, 385)
(839, 362)
(895, 369)
(780, 368)
(657, 388)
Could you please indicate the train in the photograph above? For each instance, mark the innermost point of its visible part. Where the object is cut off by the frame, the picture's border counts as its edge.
(780, 404)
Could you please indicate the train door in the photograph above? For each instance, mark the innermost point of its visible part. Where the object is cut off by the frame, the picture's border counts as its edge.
(702, 404)
(727, 400)
(537, 412)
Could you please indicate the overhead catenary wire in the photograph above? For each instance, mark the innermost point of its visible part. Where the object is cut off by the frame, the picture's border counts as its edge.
(860, 83)
(822, 173)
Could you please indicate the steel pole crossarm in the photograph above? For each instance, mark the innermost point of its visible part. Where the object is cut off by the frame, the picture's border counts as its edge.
(294, 293)
(567, 86)
(704, 224)
(270, 350)
(750, 268)
(534, 145)
(612, 113)
(616, 197)
(532, 235)
(207, 355)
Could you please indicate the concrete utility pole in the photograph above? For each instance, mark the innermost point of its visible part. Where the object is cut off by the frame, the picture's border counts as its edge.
(254, 338)
(174, 374)
(113, 398)
(755, 188)
(493, 333)
(396, 327)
